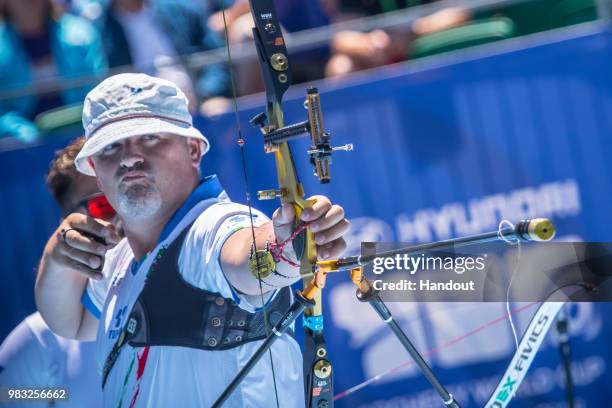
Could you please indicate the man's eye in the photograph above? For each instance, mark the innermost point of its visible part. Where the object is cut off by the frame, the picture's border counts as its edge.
(150, 137)
(110, 148)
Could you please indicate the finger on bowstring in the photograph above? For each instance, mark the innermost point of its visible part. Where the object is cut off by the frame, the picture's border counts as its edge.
(98, 229)
(82, 241)
(320, 206)
(81, 257)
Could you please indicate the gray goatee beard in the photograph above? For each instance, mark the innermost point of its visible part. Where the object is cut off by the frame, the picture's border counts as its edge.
(139, 201)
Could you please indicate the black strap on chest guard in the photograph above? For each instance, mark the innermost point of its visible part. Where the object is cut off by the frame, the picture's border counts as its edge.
(172, 312)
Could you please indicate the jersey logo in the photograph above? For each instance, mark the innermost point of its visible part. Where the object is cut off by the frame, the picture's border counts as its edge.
(114, 333)
(119, 316)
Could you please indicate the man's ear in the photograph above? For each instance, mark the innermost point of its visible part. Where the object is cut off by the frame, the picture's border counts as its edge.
(195, 150)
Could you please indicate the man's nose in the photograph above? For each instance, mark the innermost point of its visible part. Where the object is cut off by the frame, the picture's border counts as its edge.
(131, 155)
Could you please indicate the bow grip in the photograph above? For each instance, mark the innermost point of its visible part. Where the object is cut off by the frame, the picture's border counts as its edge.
(304, 244)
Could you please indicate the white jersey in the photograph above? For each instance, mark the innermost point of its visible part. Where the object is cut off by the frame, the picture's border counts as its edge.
(33, 356)
(163, 376)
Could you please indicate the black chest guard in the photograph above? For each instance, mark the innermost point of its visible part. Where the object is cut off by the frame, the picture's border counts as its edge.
(171, 312)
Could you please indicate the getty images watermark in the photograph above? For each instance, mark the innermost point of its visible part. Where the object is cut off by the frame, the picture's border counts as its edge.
(492, 272)
(408, 264)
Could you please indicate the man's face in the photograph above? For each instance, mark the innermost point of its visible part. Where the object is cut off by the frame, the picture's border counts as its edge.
(143, 176)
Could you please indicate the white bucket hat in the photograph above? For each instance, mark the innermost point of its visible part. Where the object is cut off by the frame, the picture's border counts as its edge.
(127, 105)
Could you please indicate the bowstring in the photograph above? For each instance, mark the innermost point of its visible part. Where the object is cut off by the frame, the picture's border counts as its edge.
(513, 242)
(435, 350)
(509, 315)
(241, 142)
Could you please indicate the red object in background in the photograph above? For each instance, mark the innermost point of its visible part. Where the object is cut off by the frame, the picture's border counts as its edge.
(99, 207)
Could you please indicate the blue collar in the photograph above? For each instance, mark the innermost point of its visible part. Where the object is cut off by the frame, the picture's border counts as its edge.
(209, 187)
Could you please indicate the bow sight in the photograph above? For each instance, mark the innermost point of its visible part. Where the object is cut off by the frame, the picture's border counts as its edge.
(320, 150)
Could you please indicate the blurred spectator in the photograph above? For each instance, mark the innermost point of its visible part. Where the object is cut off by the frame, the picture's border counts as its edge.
(296, 15)
(38, 40)
(239, 29)
(233, 11)
(349, 50)
(154, 35)
(355, 50)
(32, 355)
(92, 10)
(293, 15)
